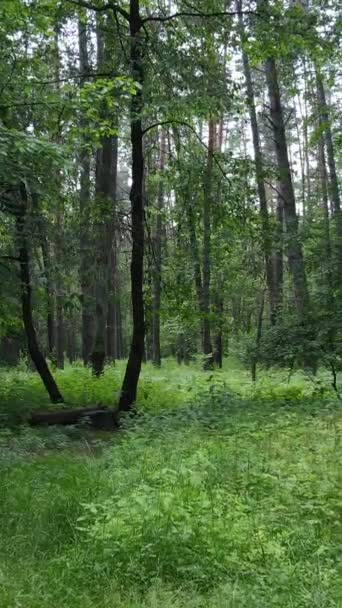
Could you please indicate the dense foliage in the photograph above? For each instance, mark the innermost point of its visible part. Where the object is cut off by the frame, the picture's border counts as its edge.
(170, 271)
(213, 499)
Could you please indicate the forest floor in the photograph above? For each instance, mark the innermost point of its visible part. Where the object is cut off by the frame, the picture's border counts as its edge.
(220, 494)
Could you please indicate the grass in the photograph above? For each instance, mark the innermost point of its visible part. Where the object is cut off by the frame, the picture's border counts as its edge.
(218, 495)
(171, 387)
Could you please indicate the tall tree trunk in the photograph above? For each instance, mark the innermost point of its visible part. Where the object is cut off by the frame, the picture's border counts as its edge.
(207, 204)
(86, 255)
(50, 301)
(324, 119)
(157, 259)
(274, 295)
(306, 141)
(325, 208)
(113, 292)
(26, 300)
(60, 328)
(119, 342)
(278, 253)
(286, 192)
(131, 378)
(111, 315)
(333, 187)
(71, 338)
(59, 243)
(258, 338)
(105, 192)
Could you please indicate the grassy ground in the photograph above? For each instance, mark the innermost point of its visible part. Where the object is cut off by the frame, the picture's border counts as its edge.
(218, 495)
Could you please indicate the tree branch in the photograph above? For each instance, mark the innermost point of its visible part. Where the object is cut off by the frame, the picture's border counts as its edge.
(99, 9)
(9, 257)
(198, 14)
(193, 130)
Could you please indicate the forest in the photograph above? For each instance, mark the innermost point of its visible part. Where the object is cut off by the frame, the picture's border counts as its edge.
(170, 304)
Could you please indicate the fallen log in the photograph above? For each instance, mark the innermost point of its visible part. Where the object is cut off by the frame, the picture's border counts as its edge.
(96, 418)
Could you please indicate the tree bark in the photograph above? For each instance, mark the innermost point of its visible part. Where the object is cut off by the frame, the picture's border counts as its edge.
(50, 303)
(325, 124)
(59, 245)
(258, 338)
(113, 292)
(105, 193)
(157, 258)
(97, 418)
(333, 187)
(207, 203)
(86, 256)
(274, 295)
(26, 300)
(111, 315)
(131, 378)
(286, 192)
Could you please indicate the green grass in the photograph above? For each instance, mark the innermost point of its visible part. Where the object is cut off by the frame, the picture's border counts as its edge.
(171, 387)
(209, 499)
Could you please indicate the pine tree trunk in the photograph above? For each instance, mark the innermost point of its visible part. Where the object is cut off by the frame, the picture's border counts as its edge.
(157, 258)
(130, 382)
(59, 247)
(111, 316)
(50, 302)
(207, 203)
(86, 255)
(333, 187)
(274, 295)
(286, 192)
(105, 193)
(113, 293)
(278, 253)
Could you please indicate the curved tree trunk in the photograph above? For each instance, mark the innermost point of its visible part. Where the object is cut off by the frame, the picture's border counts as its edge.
(26, 300)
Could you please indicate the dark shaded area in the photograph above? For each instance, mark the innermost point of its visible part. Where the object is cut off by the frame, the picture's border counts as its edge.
(96, 418)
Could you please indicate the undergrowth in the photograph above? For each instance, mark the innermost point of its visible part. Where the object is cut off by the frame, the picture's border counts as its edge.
(160, 390)
(207, 499)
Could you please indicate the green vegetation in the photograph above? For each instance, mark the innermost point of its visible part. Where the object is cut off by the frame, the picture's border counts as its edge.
(170, 304)
(207, 499)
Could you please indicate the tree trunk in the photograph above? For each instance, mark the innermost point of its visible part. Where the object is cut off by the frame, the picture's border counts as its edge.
(10, 350)
(286, 192)
(333, 181)
(113, 292)
(59, 246)
(278, 253)
(130, 382)
(105, 193)
(26, 299)
(325, 124)
(207, 203)
(96, 418)
(275, 302)
(119, 342)
(50, 302)
(218, 349)
(258, 338)
(86, 255)
(111, 315)
(157, 259)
